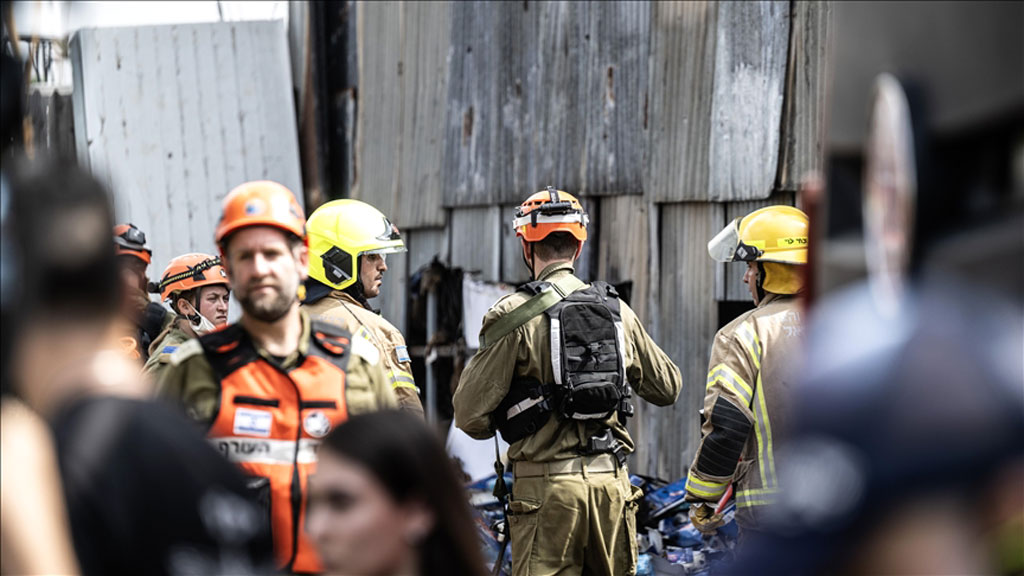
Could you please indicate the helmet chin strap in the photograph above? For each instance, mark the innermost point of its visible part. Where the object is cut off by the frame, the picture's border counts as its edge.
(200, 324)
(531, 262)
(760, 282)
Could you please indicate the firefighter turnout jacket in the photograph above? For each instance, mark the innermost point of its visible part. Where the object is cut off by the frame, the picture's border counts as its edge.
(342, 309)
(268, 415)
(754, 362)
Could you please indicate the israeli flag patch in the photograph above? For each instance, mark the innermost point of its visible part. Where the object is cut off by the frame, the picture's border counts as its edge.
(168, 349)
(252, 422)
(403, 354)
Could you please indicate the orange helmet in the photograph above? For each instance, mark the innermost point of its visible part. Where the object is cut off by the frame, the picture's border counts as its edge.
(548, 212)
(130, 241)
(260, 203)
(191, 271)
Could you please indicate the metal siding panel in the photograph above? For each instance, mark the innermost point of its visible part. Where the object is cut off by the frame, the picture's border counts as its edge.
(424, 88)
(623, 250)
(683, 39)
(615, 48)
(171, 227)
(177, 115)
(803, 123)
(687, 306)
(513, 270)
(378, 138)
(476, 238)
(746, 112)
(545, 93)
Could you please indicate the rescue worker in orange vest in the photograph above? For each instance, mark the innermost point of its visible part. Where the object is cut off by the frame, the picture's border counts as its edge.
(195, 286)
(754, 362)
(272, 385)
(349, 242)
(144, 319)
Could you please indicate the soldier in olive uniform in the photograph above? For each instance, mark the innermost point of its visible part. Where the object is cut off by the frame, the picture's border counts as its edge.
(573, 509)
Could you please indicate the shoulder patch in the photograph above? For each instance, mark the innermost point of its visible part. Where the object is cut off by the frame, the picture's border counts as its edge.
(403, 354)
(365, 349)
(187, 350)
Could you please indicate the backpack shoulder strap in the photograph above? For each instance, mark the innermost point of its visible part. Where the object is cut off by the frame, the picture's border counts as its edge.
(536, 305)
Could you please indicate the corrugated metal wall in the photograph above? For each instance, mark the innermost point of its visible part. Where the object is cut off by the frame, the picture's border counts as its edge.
(669, 119)
(173, 117)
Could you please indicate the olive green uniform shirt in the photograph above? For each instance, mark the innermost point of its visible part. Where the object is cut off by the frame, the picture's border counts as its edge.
(189, 379)
(342, 309)
(526, 353)
(172, 337)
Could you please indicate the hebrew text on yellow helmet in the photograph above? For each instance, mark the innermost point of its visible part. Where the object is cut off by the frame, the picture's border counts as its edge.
(772, 234)
(342, 230)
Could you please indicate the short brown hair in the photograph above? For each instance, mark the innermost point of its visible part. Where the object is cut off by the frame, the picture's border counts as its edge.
(556, 246)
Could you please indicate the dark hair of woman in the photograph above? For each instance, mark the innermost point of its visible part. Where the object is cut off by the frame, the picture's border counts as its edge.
(405, 456)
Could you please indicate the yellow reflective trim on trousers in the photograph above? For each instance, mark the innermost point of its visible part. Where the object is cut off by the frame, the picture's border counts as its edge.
(769, 449)
(756, 497)
(704, 489)
(730, 378)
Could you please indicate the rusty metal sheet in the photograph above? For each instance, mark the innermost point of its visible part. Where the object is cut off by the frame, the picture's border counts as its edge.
(545, 93)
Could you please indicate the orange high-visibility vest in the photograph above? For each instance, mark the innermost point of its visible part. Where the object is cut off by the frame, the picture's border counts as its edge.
(270, 421)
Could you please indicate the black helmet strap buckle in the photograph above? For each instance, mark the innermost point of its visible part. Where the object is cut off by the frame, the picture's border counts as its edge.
(337, 265)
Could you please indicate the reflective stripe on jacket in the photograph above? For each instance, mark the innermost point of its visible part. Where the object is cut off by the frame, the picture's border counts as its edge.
(754, 361)
(270, 420)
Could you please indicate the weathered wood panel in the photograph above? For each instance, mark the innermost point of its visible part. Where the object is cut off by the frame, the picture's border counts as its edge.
(729, 277)
(423, 245)
(545, 93)
(173, 117)
(403, 50)
(803, 121)
(686, 305)
(683, 37)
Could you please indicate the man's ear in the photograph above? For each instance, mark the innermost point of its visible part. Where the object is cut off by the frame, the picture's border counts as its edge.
(302, 258)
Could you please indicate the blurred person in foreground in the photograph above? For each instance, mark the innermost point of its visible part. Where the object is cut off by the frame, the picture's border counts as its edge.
(558, 364)
(195, 286)
(145, 493)
(754, 362)
(349, 242)
(907, 453)
(385, 501)
(268, 388)
(144, 319)
(34, 533)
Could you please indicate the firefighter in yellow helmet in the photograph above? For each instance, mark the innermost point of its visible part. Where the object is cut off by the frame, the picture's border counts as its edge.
(754, 361)
(573, 509)
(349, 242)
(196, 288)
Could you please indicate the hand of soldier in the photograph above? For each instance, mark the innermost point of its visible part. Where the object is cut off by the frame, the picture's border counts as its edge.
(704, 518)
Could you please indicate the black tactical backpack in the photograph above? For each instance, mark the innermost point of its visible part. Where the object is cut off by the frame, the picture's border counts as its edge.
(587, 358)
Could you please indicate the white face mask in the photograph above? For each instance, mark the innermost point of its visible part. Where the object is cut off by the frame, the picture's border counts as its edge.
(200, 324)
